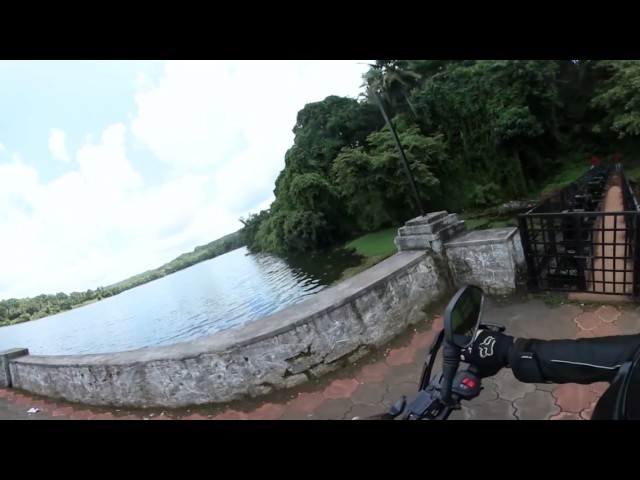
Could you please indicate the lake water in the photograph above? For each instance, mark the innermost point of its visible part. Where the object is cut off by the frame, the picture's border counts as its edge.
(206, 298)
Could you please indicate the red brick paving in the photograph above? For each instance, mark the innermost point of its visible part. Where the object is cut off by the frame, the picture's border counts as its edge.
(599, 388)
(81, 415)
(584, 334)
(232, 415)
(566, 416)
(607, 329)
(608, 313)
(587, 321)
(268, 411)
(195, 416)
(374, 385)
(342, 388)
(373, 373)
(306, 402)
(400, 356)
(135, 417)
(423, 339)
(62, 412)
(102, 416)
(572, 397)
(587, 412)
(164, 417)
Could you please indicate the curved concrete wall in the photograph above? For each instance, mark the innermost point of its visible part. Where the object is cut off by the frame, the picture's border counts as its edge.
(335, 326)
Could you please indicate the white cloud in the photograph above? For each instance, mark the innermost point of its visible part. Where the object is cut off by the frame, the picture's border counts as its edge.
(201, 112)
(57, 145)
(61, 230)
(2, 149)
(223, 129)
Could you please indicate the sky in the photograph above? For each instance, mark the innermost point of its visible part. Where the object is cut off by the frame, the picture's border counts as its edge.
(111, 168)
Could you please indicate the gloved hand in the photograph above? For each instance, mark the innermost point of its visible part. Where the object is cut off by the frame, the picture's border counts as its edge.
(489, 352)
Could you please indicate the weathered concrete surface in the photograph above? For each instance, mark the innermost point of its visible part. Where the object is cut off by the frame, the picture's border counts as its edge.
(5, 357)
(492, 259)
(286, 349)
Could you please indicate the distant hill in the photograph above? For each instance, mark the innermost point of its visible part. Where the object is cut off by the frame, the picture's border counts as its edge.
(22, 310)
(199, 254)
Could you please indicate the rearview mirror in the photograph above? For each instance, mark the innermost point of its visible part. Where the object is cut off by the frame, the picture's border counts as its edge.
(462, 316)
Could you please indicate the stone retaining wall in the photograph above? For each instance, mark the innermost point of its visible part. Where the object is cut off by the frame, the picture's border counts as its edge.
(335, 326)
(322, 333)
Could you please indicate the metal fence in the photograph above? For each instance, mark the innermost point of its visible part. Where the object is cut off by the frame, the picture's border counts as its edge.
(571, 244)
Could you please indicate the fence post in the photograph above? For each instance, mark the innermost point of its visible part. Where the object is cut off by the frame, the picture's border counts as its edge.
(532, 274)
(5, 357)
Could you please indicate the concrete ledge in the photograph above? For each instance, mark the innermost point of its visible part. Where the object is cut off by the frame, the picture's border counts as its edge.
(483, 237)
(333, 327)
(492, 259)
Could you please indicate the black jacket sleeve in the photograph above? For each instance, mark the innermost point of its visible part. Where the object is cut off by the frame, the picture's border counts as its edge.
(585, 361)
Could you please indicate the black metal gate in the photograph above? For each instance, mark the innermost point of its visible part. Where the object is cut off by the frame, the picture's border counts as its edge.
(571, 244)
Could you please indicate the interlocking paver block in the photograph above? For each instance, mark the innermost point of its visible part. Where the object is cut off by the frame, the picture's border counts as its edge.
(306, 402)
(230, 415)
(606, 330)
(509, 388)
(400, 356)
(395, 392)
(629, 322)
(341, 388)
(536, 405)
(268, 411)
(587, 321)
(369, 393)
(608, 313)
(373, 373)
(496, 410)
(423, 339)
(403, 373)
(566, 416)
(332, 409)
(365, 410)
(572, 397)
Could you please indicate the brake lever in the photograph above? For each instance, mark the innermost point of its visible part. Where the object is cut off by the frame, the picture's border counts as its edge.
(493, 327)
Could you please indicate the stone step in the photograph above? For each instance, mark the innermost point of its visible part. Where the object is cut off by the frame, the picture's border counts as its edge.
(428, 218)
(452, 231)
(429, 228)
(424, 242)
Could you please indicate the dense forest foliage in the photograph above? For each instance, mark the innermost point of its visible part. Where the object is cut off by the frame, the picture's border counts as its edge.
(22, 310)
(475, 133)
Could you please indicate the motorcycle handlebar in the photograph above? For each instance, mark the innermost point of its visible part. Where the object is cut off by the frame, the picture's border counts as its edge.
(437, 397)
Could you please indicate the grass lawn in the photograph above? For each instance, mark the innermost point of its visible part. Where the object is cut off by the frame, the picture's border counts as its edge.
(374, 247)
(375, 244)
(570, 173)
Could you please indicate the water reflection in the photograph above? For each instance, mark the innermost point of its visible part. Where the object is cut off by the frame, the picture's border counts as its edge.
(212, 296)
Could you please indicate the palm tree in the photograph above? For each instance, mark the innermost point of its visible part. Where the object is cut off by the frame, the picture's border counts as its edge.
(392, 80)
(381, 82)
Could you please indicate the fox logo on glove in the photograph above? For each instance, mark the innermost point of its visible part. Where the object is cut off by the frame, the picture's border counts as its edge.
(485, 348)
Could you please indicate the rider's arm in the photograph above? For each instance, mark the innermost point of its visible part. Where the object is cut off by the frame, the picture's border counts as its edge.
(587, 360)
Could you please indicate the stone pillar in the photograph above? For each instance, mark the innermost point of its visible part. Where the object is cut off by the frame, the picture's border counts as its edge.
(429, 232)
(5, 357)
(492, 259)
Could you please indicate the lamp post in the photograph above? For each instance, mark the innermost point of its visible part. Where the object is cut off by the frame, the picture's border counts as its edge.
(403, 157)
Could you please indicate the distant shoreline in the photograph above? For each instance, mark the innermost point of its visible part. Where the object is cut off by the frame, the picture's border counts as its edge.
(14, 311)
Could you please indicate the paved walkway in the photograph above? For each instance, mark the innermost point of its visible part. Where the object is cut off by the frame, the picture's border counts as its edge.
(373, 384)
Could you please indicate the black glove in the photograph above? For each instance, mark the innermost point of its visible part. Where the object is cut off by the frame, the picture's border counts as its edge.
(489, 352)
